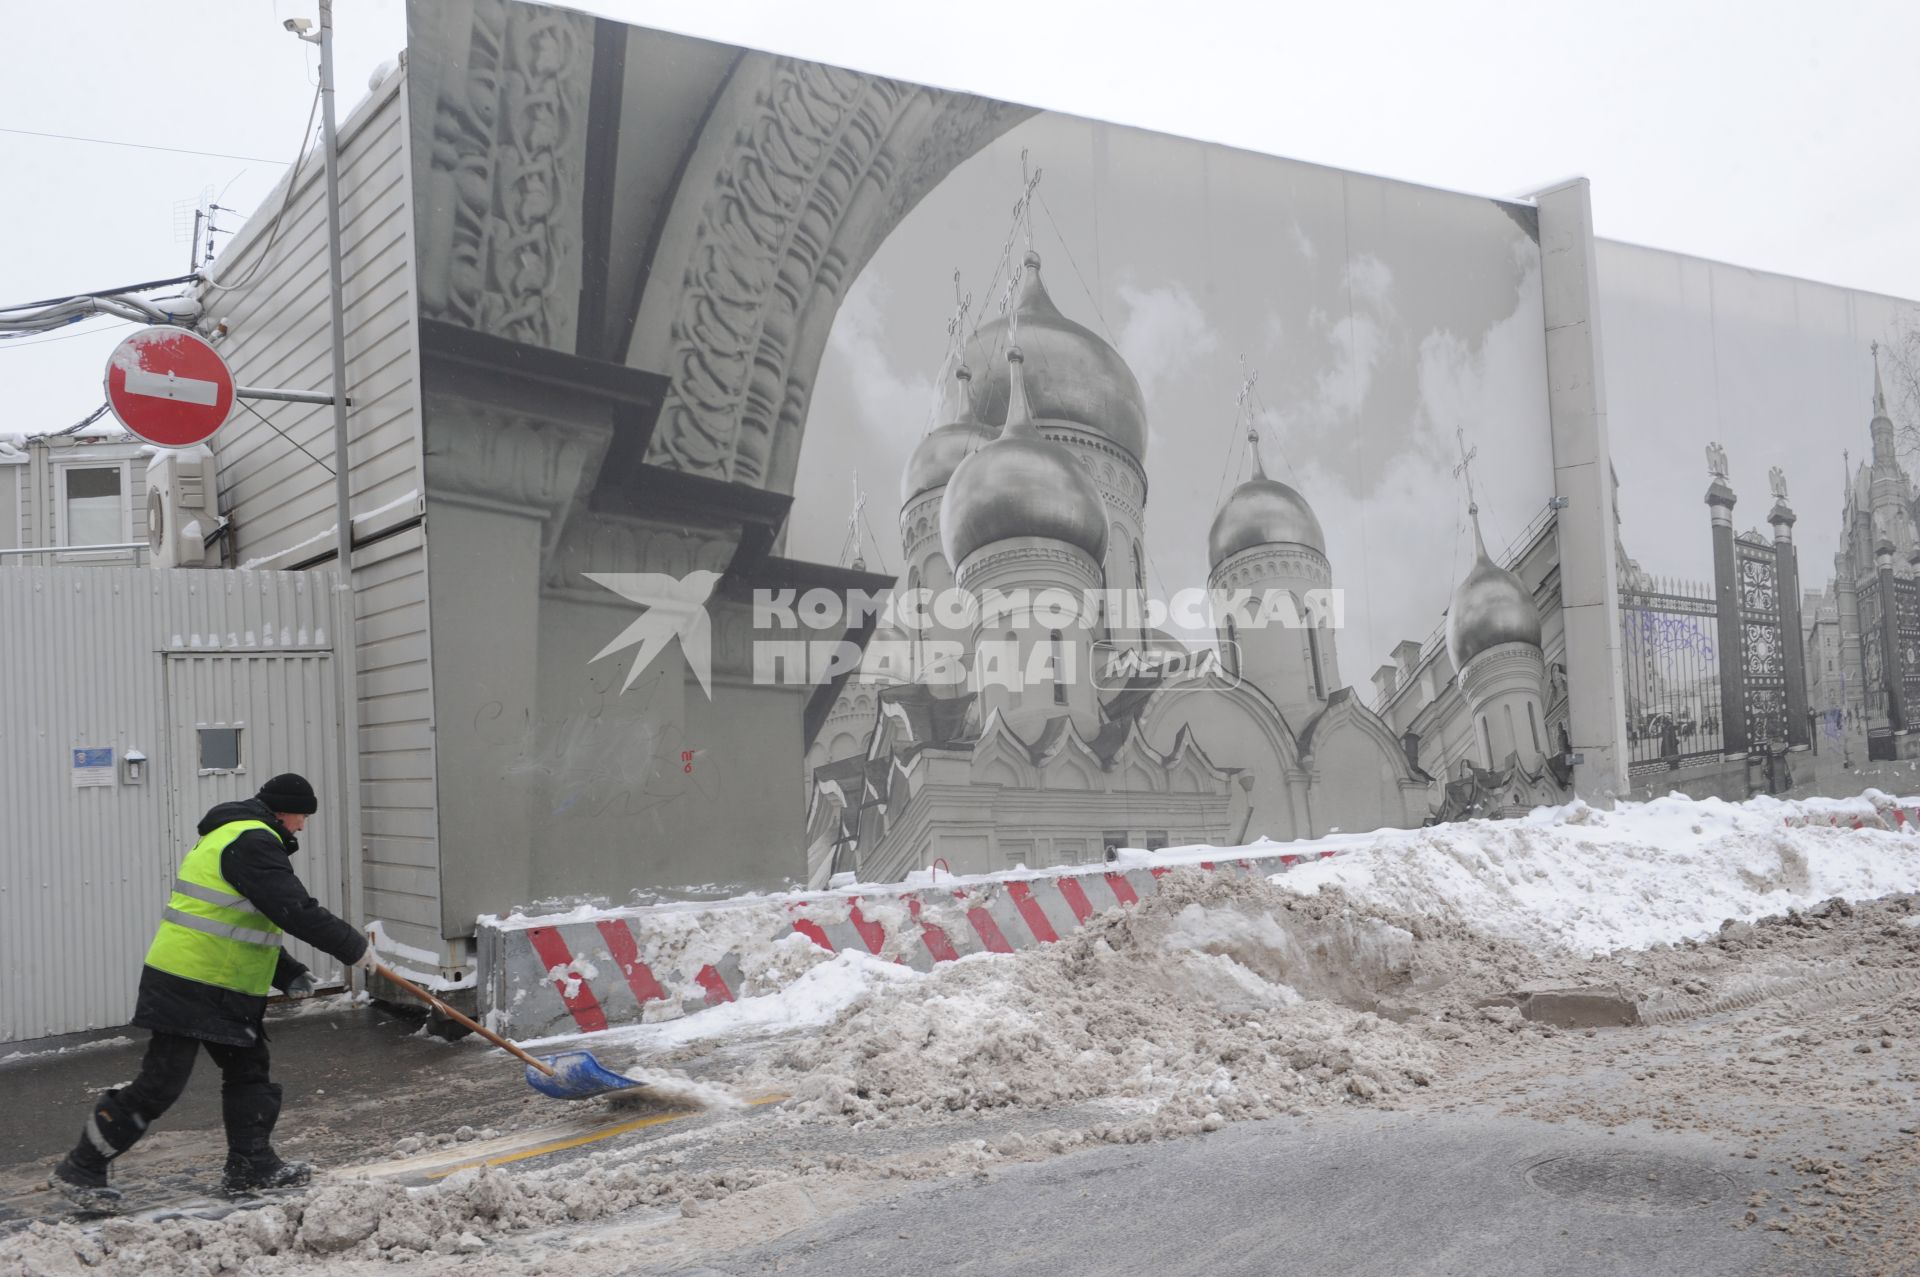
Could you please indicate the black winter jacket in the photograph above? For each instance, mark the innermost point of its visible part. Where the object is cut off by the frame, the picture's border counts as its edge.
(259, 866)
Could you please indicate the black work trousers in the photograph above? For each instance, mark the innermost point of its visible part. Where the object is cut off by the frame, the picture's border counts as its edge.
(249, 1101)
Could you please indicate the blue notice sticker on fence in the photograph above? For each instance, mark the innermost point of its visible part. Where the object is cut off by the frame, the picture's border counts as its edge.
(92, 767)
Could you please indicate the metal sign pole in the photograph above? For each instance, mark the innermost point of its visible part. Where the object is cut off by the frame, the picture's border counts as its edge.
(345, 626)
(341, 476)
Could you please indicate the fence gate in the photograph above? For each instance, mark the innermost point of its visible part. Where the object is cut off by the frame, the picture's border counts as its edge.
(1670, 646)
(1763, 660)
(236, 718)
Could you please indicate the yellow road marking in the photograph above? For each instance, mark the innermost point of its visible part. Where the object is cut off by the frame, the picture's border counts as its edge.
(590, 1137)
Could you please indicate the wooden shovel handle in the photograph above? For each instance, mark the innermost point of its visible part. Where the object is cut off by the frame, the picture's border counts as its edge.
(455, 1016)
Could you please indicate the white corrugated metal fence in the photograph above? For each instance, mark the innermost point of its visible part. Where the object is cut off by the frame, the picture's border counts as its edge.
(137, 659)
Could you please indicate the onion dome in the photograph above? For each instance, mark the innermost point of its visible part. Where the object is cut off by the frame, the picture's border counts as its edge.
(1490, 607)
(944, 448)
(1073, 376)
(1020, 485)
(1262, 511)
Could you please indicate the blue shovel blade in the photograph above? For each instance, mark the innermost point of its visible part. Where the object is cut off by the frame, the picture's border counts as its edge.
(576, 1076)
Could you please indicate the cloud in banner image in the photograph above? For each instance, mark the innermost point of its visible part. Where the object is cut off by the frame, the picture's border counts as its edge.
(890, 403)
(1302, 243)
(1163, 334)
(891, 408)
(1396, 526)
(1370, 280)
(1397, 553)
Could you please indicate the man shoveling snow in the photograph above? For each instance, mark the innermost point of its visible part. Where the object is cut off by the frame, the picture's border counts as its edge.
(212, 962)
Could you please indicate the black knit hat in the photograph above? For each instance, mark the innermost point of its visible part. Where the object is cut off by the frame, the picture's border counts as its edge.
(290, 794)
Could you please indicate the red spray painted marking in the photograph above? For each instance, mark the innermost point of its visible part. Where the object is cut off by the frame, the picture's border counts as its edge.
(1159, 873)
(619, 938)
(933, 937)
(553, 953)
(872, 934)
(717, 990)
(985, 927)
(1326, 855)
(1289, 860)
(1030, 910)
(1207, 864)
(1076, 898)
(1122, 889)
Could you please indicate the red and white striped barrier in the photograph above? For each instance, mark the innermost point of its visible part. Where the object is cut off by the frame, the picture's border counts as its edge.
(590, 970)
(1894, 819)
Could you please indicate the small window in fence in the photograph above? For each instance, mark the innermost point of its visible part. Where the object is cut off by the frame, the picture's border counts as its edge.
(220, 749)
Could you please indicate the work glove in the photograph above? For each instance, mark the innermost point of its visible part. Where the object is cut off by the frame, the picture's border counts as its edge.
(301, 986)
(368, 960)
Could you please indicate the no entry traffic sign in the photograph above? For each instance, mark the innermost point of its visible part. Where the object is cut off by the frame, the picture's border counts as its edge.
(169, 387)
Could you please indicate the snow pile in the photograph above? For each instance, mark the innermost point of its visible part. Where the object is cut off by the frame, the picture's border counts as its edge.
(346, 1220)
(789, 984)
(1214, 1000)
(1588, 881)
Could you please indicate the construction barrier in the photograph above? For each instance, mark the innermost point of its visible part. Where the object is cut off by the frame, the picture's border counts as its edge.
(1889, 817)
(584, 971)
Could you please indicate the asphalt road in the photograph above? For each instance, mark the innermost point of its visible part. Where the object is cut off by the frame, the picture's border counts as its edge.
(1367, 1194)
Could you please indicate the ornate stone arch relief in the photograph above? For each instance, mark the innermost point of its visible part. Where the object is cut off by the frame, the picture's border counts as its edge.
(800, 174)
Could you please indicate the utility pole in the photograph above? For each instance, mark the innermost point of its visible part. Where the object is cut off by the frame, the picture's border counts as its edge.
(345, 613)
(330, 145)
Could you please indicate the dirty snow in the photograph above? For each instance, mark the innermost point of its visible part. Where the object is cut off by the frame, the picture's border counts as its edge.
(1383, 978)
(14, 1056)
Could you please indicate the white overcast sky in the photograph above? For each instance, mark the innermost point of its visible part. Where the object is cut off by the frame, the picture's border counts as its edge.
(1765, 134)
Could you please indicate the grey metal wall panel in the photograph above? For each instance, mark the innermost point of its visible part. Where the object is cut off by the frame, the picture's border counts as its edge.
(11, 477)
(280, 498)
(84, 872)
(399, 826)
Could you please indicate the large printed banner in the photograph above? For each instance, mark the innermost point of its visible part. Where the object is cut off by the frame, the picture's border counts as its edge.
(1763, 432)
(828, 474)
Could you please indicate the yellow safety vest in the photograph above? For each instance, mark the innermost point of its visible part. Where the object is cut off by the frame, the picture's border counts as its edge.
(210, 932)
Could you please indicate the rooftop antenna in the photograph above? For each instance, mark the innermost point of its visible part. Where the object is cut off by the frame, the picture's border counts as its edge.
(213, 230)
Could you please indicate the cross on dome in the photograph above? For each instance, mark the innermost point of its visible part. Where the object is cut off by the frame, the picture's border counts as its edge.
(1879, 395)
(1465, 467)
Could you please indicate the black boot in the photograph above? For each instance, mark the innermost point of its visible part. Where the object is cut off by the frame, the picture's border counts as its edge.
(81, 1177)
(85, 1186)
(250, 1113)
(258, 1172)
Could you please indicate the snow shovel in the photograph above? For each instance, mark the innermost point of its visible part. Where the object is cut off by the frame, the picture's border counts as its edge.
(570, 1075)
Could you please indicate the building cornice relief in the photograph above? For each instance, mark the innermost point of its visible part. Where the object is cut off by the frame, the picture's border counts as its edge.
(496, 456)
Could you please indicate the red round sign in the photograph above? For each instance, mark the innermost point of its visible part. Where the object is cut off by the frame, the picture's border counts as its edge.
(169, 386)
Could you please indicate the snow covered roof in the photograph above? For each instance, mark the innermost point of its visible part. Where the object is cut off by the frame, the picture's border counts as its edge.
(13, 444)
